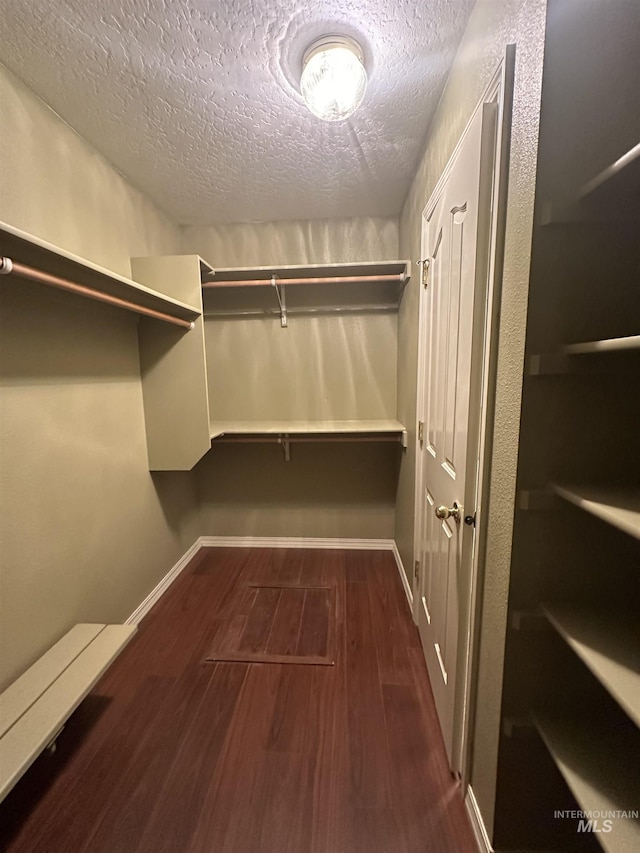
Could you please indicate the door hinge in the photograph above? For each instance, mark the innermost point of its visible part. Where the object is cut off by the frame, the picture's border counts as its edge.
(416, 569)
(424, 263)
(421, 433)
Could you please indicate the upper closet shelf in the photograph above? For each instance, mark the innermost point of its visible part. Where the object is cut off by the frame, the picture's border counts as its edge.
(617, 507)
(544, 364)
(608, 345)
(619, 182)
(31, 257)
(323, 288)
(310, 430)
(613, 194)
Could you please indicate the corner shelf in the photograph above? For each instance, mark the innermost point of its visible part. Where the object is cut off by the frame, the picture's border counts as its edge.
(311, 430)
(618, 507)
(608, 643)
(25, 248)
(366, 286)
(601, 774)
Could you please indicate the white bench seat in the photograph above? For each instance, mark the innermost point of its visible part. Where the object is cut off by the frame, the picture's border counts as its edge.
(35, 707)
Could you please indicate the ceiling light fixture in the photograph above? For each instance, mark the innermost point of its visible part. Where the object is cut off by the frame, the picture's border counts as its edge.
(333, 77)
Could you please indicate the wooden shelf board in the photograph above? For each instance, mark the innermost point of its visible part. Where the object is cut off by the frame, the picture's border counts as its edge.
(32, 251)
(609, 644)
(314, 271)
(612, 195)
(608, 345)
(600, 766)
(617, 507)
(351, 427)
(621, 177)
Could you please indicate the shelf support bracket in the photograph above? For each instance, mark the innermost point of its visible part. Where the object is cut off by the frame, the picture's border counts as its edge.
(281, 300)
(286, 446)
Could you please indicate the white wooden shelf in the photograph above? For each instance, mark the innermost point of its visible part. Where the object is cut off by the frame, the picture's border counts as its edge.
(321, 287)
(618, 181)
(309, 428)
(26, 249)
(600, 764)
(564, 361)
(609, 644)
(617, 507)
(631, 342)
(612, 195)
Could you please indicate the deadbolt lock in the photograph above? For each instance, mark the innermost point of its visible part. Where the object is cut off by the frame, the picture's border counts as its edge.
(455, 512)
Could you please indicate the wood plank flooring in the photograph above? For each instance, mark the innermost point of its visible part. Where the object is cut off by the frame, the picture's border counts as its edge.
(171, 753)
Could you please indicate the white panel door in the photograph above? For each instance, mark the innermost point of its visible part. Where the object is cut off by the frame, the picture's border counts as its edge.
(451, 245)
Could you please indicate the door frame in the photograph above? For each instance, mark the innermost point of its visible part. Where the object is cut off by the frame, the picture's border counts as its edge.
(499, 93)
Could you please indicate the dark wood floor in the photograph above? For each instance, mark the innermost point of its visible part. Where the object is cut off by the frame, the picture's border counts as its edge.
(173, 753)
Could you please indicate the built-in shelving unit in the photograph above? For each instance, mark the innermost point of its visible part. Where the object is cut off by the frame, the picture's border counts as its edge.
(325, 372)
(576, 548)
(601, 771)
(26, 249)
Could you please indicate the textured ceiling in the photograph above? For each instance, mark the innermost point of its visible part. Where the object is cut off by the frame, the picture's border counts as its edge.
(197, 101)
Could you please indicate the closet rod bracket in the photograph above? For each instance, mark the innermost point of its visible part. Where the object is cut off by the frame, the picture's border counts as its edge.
(281, 300)
(6, 266)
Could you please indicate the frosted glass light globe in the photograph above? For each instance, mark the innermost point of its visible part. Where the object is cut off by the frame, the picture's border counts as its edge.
(333, 78)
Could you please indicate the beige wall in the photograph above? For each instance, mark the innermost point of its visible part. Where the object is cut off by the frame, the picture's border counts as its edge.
(85, 531)
(493, 25)
(330, 490)
(312, 241)
(324, 367)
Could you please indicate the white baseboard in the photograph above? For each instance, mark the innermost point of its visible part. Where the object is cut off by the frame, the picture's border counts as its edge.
(296, 542)
(403, 576)
(264, 542)
(479, 829)
(141, 611)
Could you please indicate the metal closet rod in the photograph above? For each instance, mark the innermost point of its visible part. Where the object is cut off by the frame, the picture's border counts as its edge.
(7, 266)
(397, 278)
(316, 438)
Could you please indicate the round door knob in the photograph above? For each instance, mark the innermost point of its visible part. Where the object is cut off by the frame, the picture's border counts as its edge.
(454, 512)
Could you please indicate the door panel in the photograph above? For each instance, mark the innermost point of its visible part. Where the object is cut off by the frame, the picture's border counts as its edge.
(450, 242)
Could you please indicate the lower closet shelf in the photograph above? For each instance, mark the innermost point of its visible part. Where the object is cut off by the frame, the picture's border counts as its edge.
(312, 430)
(609, 644)
(600, 768)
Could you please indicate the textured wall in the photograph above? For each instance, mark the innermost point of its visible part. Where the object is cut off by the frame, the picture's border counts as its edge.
(312, 241)
(493, 25)
(85, 531)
